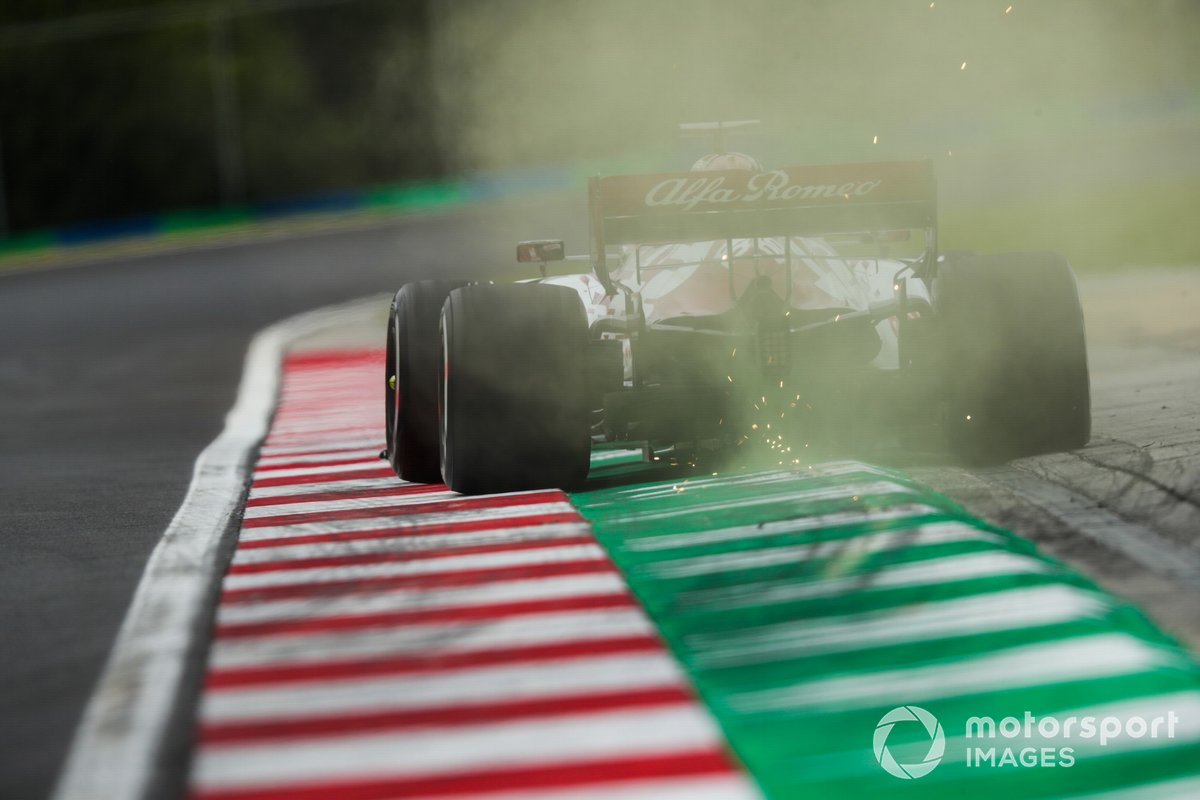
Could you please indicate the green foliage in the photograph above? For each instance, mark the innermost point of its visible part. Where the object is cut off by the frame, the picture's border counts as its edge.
(92, 130)
(108, 109)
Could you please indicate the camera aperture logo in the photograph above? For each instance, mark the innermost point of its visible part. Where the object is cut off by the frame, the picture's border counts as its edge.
(1017, 742)
(937, 742)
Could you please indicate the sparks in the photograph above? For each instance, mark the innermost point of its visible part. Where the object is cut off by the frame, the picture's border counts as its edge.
(875, 139)
(964, 66)
(1008, 10)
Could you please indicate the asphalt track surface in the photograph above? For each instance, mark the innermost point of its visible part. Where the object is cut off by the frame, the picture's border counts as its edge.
(114, 376)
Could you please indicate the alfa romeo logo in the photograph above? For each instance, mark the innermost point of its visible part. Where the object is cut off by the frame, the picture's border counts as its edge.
(937, 742)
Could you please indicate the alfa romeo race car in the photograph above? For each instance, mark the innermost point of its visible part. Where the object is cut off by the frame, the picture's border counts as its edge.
(734, 308)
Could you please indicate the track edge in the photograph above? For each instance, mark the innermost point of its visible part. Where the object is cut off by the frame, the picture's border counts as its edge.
(124, 745)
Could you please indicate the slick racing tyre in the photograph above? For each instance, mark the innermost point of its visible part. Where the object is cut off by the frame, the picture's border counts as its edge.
(411, 375)
(1014, 366)
(513, 390)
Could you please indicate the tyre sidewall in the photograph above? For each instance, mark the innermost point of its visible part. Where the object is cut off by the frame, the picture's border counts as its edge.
(515, 412)
(1015, 375)
(416, 363)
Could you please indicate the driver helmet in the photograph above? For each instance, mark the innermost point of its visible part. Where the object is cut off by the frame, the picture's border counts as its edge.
(727, 161)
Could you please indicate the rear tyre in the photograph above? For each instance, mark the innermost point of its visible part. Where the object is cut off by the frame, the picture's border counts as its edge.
(513, 390)
(1014, 368)
(413, 363)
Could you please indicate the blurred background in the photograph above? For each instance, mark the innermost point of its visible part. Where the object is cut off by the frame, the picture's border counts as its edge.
(1072, 125)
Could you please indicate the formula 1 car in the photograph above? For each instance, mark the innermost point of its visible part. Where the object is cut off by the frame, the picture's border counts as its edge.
(735, 307)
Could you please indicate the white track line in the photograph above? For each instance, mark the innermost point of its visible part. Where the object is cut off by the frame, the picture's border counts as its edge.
(1100, 655)
(119, 747)
(368, 456)
(920, 622)
(424, 598)
(655, 542)
(444, 638)
(342, 447)
(401, 522)
(806, 495)
(410, 544)
(929, 572)
(444, 751)
(507, 682)
(381, 502)
(299, 472)
(920, 536)
(426, 566)
(709, 787)
(326, 487)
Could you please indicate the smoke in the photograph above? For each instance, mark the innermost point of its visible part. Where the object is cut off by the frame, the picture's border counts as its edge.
(1040, 116)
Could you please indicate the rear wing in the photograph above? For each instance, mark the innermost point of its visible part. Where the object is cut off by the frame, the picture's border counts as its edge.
(698, 206)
